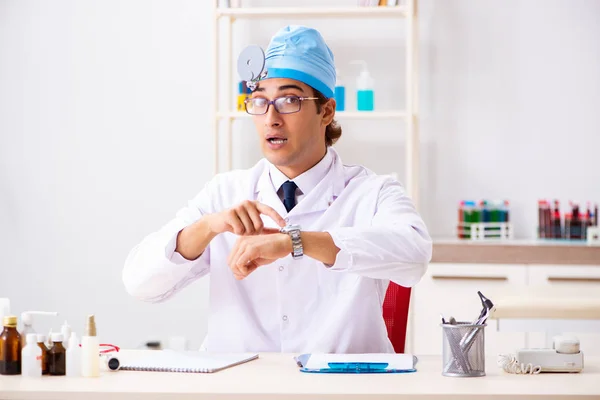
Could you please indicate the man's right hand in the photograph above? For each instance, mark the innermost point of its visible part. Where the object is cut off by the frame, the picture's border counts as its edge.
(244, 219)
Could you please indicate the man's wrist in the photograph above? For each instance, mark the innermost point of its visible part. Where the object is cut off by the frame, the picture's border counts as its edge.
(208, 220)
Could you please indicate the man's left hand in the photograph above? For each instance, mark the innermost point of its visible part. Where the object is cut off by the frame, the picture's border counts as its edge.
(250, 252)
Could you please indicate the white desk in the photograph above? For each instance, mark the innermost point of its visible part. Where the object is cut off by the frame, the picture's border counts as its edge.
(275, 376)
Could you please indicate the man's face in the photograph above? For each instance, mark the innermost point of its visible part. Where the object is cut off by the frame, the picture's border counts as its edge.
(293, 141)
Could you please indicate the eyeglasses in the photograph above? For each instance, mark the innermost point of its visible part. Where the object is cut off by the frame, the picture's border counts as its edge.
(283, 105)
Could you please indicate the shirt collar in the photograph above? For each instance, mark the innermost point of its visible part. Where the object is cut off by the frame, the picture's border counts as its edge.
(306, 181)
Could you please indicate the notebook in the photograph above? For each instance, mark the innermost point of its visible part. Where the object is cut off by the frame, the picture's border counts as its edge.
(357, 363)
(186, 361)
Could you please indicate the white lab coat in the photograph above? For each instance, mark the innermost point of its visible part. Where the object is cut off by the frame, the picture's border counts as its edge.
(295, 305)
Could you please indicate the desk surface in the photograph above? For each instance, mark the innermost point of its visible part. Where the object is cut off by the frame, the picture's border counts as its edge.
(275, 376)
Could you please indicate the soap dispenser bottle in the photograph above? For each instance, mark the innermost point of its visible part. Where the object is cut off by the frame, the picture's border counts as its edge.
(364, 89)
(340, 92)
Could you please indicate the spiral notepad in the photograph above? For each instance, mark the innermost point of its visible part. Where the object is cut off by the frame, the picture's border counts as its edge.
(186, 361)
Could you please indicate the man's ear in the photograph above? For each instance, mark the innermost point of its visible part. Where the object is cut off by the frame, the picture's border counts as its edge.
(328, 112)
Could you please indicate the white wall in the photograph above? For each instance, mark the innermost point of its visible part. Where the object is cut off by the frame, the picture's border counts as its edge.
(104, 135)
(510, 106)
(105, 131)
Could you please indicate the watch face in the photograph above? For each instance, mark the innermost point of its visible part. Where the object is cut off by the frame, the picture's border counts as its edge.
(290, 228)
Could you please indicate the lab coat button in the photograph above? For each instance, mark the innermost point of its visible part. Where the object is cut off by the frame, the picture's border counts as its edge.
(281, 267)
(285, 318)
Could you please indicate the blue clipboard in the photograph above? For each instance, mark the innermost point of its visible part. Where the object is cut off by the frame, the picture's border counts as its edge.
(352, 367)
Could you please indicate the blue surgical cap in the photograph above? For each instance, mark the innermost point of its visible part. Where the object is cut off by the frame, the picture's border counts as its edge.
(300, 53)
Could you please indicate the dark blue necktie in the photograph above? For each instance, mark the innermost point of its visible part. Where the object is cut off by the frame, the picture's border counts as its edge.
(289, 195)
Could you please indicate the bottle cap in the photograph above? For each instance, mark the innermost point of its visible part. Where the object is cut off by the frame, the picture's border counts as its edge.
(57, 337)
(31, 338)
(10, 321)
(41, 338)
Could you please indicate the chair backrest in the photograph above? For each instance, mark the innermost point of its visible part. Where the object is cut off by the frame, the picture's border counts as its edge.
(395, 314)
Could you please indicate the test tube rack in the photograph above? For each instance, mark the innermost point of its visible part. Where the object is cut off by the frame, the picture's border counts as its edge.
(485, 230)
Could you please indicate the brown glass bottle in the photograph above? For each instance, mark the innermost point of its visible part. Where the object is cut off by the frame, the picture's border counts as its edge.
(10, 348)
(57, 356)
(42, 345)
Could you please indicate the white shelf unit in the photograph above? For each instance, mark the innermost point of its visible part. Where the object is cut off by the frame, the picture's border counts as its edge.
(406, 11)
(311, 12)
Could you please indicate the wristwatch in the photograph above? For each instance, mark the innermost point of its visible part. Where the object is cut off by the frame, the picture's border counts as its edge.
(294, 232)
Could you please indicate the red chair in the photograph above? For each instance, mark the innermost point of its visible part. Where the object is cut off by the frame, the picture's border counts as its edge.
(395, 314)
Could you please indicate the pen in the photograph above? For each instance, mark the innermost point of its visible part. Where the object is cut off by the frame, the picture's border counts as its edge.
(468, 339)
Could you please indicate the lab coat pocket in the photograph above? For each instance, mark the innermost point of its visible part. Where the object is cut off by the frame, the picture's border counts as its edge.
(337, 282)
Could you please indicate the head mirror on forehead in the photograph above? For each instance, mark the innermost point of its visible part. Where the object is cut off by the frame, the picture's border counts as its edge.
(295, 52)
(251, 64)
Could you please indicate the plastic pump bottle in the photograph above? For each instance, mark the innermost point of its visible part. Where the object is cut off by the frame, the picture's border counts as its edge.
(90, 350)
(364, 88)
(340, 92)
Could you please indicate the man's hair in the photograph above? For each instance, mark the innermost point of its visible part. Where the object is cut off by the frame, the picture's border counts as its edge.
(333, 131)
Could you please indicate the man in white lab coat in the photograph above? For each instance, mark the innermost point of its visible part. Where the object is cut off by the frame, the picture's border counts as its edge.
(300, 247)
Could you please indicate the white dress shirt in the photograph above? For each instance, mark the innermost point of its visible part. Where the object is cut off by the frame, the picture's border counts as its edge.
(306, 181)
(295, 305)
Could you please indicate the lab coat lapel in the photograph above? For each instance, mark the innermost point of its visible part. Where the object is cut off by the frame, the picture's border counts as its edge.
(326, 191)
(266, 194)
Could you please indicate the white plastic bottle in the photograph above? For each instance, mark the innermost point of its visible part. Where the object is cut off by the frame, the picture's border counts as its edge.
(31, 357)
(339, 93)
(74, 356)
(90, 350)
(365, 95)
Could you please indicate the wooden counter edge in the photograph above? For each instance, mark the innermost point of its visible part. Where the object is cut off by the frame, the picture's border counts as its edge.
(496, 253)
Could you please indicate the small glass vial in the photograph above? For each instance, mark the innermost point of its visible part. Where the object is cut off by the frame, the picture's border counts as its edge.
(31, 357)
(57, 356)
(41, 341)
(10, 347)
